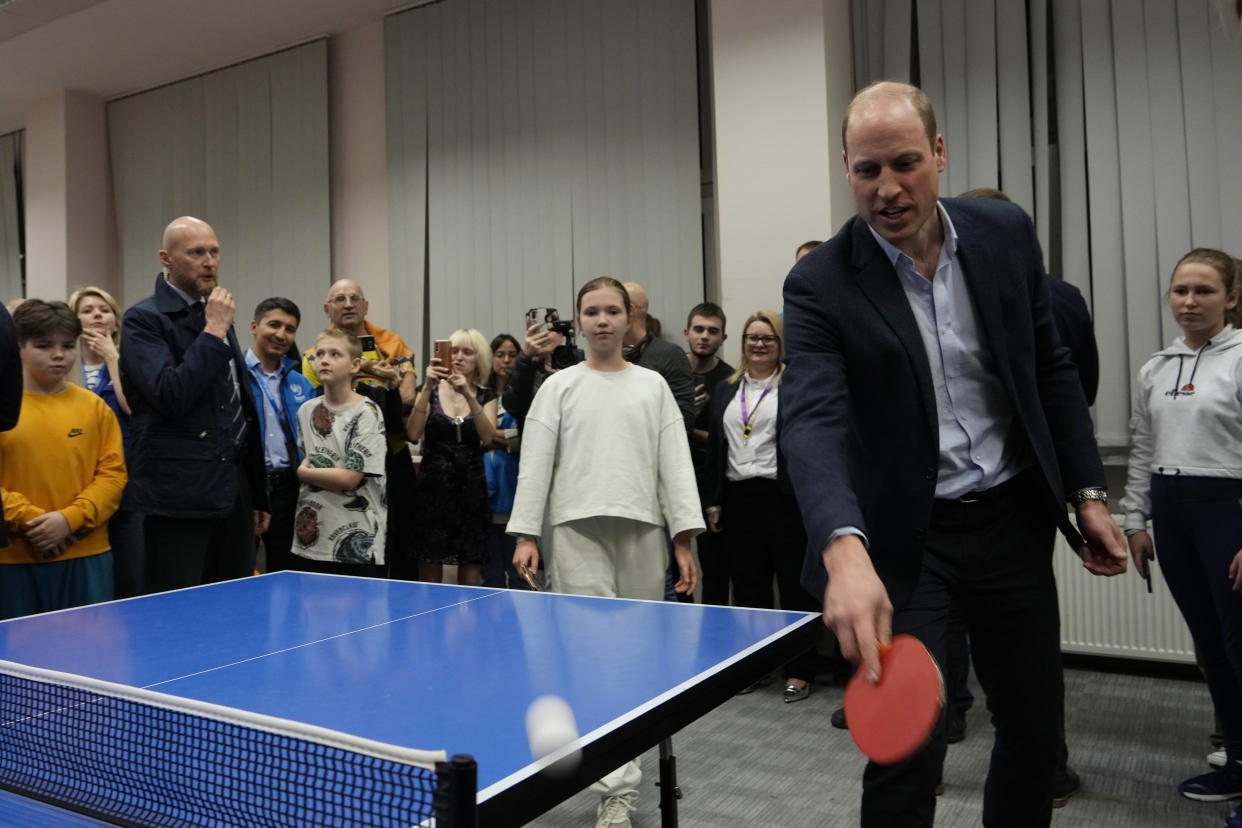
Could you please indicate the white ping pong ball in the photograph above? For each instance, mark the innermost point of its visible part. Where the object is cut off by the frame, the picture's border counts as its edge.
(550, 726)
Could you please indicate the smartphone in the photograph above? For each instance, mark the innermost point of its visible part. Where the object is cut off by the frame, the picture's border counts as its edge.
(544, 316)
(368, 347)
(444, 353)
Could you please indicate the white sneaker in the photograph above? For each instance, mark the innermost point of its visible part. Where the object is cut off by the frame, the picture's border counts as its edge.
(1216, 758)
(614, 811)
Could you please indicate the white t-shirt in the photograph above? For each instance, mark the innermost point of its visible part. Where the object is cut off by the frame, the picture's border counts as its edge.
(605, 443)
(344, 527)
(754, 456)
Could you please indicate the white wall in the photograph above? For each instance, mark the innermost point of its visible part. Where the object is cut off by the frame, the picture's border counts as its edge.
(69, 221)
(782, 75)
(781, 78)
(359, 167)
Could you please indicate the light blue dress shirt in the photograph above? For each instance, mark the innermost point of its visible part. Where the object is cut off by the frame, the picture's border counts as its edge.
(275, 449)
(974, 414)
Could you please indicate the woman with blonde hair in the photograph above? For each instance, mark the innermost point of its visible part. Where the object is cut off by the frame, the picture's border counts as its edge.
(454, 415)
(98, 371)
(747, 493)
(100, 354)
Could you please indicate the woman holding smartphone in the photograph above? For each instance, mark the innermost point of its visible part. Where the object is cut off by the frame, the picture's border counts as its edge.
(605, 456)
(454, 415)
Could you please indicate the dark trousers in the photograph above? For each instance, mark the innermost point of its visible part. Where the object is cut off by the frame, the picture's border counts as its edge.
(958, 697)
(762, 534)
(1198, 531)
(499, 572)
(714, 569)
(129, 566)
(184, 552)
(994, 557)
(282, 499)
(299, 564)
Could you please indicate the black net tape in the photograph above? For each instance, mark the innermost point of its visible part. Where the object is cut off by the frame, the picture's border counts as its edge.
(131, 762)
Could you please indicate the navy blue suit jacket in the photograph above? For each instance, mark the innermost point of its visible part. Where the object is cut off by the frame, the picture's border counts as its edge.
(860, 432)
(176, 379)
(1073, 320)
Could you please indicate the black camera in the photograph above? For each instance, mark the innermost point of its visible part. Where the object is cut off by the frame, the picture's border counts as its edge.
(565, 354)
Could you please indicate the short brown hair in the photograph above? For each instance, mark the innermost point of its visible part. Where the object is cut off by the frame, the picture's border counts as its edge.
(353, 346)
(916, 97)
(986, 192)
(707, 310)
(35, 317)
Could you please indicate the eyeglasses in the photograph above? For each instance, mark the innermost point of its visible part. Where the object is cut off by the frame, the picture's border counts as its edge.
(760, 339)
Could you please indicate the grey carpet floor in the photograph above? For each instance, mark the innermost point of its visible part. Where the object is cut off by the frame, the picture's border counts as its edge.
(756, 761)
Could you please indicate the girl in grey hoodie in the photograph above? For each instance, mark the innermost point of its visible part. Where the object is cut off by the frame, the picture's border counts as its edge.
(1186, 476)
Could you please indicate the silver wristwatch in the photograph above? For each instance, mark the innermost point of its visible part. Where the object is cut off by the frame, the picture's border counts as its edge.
(1090, 493)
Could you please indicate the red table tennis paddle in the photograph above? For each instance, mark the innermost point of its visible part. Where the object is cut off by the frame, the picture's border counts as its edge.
(892, 719)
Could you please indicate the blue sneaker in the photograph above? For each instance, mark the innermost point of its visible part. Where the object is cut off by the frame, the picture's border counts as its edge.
(1214, 786)
(1235, 818)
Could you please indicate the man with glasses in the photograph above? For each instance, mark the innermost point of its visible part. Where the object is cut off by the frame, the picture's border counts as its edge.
(346, 308)
(393, 389)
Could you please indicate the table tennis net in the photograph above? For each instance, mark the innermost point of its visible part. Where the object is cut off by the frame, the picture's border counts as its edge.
(137, 757)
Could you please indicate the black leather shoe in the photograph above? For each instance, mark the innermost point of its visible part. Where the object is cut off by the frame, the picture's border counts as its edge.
(838, 719)
(956, 730)
(1064, 785)
(794, 693)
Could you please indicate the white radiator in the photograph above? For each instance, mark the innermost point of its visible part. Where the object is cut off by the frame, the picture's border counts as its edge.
(1115, 616)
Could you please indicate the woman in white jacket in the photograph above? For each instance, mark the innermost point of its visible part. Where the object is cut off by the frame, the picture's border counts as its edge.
(605, 455)
(1186, 476)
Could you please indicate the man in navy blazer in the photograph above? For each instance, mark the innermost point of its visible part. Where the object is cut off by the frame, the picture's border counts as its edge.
(196, 460)
(934, 429)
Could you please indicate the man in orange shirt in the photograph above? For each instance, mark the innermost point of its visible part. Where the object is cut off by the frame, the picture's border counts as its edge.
(346, 307)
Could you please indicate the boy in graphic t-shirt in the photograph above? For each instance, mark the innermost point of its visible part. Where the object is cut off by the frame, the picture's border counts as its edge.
(341, 513)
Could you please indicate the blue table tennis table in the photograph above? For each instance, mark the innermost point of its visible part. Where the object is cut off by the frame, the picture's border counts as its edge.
(423, 666)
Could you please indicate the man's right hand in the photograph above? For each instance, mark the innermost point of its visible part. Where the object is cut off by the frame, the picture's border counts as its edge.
(219, 312)
(856, 605)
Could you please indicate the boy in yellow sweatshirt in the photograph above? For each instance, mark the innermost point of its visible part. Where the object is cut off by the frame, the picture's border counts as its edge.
(62, 472)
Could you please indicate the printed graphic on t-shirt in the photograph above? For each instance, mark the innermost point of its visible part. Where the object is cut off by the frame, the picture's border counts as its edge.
(348, 526)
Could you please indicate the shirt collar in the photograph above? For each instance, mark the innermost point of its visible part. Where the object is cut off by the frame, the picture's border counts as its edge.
(947, 251)
(253, 363)
(190, 299)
